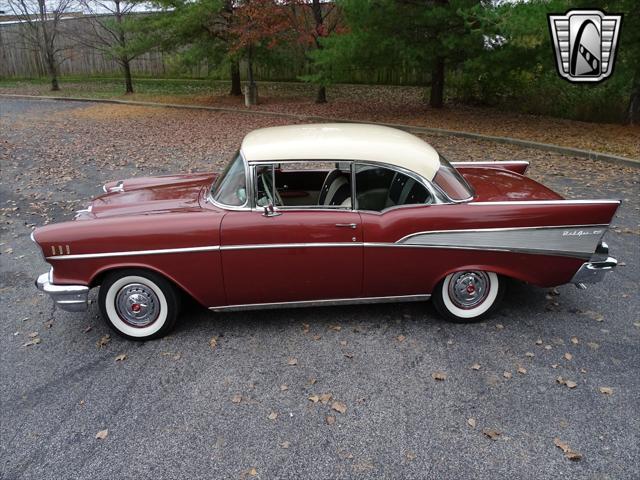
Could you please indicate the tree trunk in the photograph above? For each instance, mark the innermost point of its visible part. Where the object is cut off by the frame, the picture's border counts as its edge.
(437, 83)
(633, 112)
(321, 96)
(128, 82)
(236, 86)
(53, 72)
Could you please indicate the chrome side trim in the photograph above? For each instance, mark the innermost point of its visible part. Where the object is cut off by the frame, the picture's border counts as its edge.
(503, 229)
(574, 240)
(321, 303)
(134, 253)
(492, 162)
(548, 202)
(291, 245)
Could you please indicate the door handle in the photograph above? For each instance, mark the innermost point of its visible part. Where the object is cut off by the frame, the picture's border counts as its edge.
(346, 225)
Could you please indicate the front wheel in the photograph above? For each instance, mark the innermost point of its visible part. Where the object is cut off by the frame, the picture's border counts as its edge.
(470, 296)
(138, 304)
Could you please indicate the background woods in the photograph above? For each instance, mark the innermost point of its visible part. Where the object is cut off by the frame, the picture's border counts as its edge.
(475, 52)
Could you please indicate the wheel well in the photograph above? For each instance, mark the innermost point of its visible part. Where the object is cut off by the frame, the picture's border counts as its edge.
(100, 276)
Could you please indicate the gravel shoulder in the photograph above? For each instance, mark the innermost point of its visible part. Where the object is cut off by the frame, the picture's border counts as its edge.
(176, 408)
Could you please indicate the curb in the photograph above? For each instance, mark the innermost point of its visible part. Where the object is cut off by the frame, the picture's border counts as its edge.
(576, 152)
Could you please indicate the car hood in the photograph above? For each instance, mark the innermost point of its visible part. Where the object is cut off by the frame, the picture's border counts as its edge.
(150, 195)
(493, 184)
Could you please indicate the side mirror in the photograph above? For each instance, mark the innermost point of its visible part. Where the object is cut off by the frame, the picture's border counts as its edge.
(270, 211)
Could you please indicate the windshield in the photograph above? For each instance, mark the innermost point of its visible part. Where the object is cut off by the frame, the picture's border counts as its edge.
(231, 187)
(451, 182)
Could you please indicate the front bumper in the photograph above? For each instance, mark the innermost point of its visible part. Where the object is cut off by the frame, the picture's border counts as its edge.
(72, 298)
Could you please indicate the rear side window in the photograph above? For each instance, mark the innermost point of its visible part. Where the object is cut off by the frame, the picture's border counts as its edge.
(379, 188)
(451, 182)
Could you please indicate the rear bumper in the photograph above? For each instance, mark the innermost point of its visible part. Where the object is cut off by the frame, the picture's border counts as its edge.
(594, 271)
(72, 298)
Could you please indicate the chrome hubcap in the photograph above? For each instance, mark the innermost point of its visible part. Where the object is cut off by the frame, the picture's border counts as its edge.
(467, 290)
(137, 305)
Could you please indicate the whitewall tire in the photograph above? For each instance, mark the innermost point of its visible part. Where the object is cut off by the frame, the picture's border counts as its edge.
(468, 296)
(138, 304)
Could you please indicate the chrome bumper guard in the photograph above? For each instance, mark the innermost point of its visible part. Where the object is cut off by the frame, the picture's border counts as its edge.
(594, 270)
(72, 298)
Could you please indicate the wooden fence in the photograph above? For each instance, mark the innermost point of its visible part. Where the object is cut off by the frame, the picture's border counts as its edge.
(18, 60)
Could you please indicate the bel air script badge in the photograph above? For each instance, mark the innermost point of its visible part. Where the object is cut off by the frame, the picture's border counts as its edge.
(585, 43)
(580, 233)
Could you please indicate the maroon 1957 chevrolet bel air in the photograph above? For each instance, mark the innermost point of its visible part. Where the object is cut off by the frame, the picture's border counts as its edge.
(318, 215)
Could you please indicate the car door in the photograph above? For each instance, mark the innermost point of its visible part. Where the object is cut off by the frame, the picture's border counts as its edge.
(291, 254)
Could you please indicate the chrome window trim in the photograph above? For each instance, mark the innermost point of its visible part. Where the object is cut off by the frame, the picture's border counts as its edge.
(446, 196)
(321, 303)
(494, 162)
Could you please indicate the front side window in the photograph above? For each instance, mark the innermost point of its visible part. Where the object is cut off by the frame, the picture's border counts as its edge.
(451, 182)
(303, 185)
(379, 188)
(231, 187)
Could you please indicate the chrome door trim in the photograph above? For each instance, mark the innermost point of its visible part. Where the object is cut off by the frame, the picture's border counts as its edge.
(321, 303)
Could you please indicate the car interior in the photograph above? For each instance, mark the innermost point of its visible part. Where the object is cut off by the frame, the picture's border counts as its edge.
(377, 187)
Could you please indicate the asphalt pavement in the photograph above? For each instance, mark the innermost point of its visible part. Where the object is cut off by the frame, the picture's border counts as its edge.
(257, 404)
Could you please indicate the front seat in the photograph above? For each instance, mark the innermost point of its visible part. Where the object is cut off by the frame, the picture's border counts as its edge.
(336, 189)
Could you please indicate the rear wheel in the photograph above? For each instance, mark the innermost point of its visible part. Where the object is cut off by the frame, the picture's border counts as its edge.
(468, 296)
(138, 304)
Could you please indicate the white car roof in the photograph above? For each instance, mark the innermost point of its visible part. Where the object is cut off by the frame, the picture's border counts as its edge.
(342, 141)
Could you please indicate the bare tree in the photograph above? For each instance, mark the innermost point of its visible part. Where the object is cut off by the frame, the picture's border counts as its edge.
(109, 32)
(41, 27)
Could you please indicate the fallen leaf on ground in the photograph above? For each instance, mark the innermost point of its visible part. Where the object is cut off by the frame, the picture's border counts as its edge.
(305, 328)
(330, 419)
(88, 329)
(339, 407)
(439, 376)
(401, 338)
(593, 345)
(213, 343)
(568, 452)
(606, 390)
(102, 434)
(530, 354)
(410, 455)
(507, 375)
(571, 384)
(236, 398)
(568, 356)
(284, 387)
(312, 381)
(292, 361)
(325, 398)
(33, 335)
(34, 341)
(472, 422)
(499, 326)
(598, 317)
(317, 337)
(103, 341)
(522, 371)
(252, 472)
(491, 433)
(285, 444)
(314, 398)
(343, 343)
(475, 366)
(336, 328)
(575, 340)
(348, 355)
(272, 416)
(122, 357)
(538, 342)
